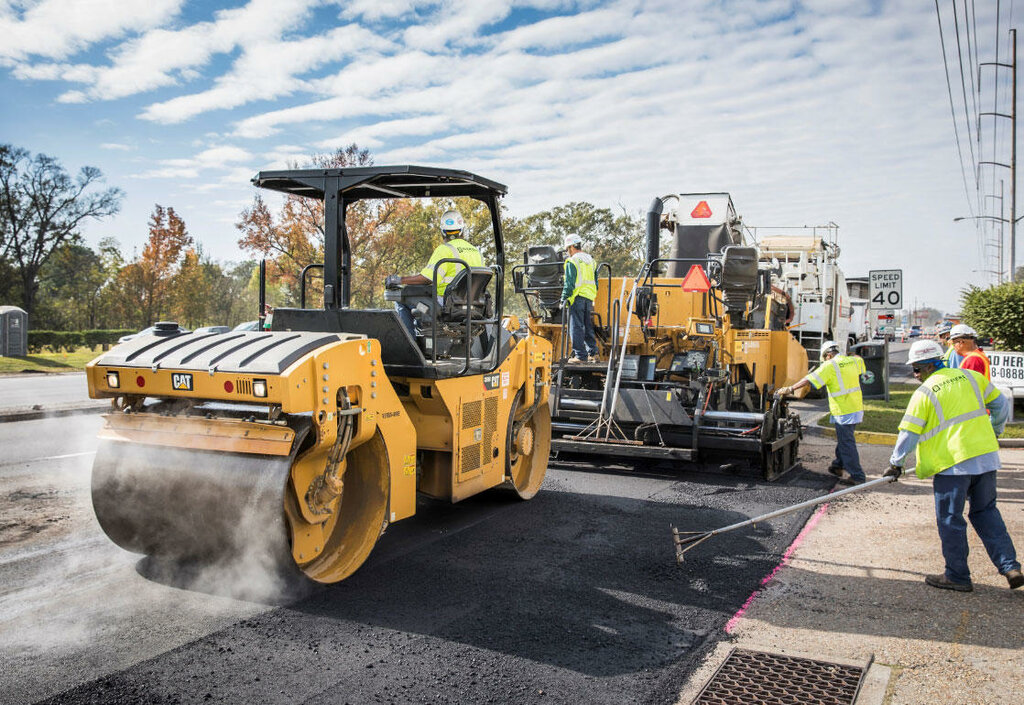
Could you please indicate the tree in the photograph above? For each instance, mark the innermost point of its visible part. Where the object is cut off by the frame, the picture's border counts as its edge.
(617, 239)
(142, 290)
(41, 208)
(997, 311)
(70, 285)
(385, 236)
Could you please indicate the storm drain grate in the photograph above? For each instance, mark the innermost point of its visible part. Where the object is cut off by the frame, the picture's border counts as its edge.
(754, 677)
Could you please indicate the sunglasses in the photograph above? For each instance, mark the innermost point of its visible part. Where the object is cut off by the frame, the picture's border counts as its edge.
(917, 369)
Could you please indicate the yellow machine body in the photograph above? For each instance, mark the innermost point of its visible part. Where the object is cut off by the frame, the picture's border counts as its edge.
(449, 438)
(772, 358)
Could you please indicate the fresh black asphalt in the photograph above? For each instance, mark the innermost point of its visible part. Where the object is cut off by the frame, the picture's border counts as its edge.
(572, 597)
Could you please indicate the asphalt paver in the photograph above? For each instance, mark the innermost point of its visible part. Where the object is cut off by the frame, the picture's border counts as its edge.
(571, 597)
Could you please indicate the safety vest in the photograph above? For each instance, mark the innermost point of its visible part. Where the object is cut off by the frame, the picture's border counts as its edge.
(453, 249)
(948, 412)
(945, 355)
(841, 375)
(984, 358)
(586, 279)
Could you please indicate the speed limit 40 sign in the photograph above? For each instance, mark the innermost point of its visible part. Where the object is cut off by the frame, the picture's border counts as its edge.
(885, 288)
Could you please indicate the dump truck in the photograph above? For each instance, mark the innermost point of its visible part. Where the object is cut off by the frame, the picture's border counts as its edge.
(691, 348)
(304, 442)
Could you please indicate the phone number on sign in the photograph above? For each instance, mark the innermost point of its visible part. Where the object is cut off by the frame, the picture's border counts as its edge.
(1007, 373)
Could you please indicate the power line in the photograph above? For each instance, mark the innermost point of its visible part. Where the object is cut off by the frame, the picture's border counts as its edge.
(967, 117)
(952, 109)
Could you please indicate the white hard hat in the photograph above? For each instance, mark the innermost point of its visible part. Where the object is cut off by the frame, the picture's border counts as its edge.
(943, 327)
(829, 346)
(572, 239)
(962, 330)
(925, 350)
(452, 223)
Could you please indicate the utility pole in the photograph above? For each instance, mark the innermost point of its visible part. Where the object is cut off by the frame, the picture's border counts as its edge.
(1013, 165)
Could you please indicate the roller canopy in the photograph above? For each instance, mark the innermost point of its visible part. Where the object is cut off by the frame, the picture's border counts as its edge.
(381, 182)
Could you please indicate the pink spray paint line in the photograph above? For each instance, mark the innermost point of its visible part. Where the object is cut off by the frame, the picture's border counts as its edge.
(808, 527)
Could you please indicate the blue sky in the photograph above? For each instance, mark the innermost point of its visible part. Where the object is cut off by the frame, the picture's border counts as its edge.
(806, 112)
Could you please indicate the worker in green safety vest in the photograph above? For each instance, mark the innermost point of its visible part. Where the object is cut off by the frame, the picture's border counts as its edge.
(578, 293)
(942, 332)
(952, 421)
(453, 247)
(840, 374)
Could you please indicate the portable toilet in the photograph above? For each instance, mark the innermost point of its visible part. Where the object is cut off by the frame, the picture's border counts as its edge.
(13, 332)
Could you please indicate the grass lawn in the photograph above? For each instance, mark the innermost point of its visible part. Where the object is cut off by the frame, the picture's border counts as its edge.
(49, 362)
(884, 416)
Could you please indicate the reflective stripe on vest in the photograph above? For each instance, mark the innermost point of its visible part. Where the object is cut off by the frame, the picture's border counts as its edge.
(984, 358)
(586, 279)
(844, 394)
(953, 439)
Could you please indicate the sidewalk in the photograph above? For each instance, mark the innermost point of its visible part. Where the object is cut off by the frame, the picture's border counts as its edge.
(854, 589)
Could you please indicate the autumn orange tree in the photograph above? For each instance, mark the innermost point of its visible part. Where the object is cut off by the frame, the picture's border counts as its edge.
(143, 289)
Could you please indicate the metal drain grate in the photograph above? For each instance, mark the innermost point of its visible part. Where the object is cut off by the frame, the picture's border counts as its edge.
(758, 678)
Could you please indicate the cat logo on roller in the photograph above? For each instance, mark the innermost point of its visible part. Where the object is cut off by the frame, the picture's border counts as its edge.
(181, 382)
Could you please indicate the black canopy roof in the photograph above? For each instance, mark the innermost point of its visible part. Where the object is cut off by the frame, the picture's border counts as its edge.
(381, 182)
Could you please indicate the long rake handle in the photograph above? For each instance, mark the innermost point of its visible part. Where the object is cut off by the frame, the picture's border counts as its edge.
(685, 540)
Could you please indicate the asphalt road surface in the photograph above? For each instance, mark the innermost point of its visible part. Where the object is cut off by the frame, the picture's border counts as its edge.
(573, 597)
(46, 389)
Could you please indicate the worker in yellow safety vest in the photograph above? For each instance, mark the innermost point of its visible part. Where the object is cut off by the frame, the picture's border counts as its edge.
(453, 247)
(952, 422)
(942, 334)
(578, 292)
(968, 356)
(840, 374)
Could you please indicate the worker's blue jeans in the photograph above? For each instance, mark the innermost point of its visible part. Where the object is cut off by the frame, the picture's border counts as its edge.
(581, 328)
(951, 492)
(846, 451)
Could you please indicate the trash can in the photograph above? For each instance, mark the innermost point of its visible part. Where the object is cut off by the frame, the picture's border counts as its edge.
(874, 383)
(13, 332)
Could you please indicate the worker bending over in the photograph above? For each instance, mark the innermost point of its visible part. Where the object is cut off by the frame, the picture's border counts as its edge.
(966, 353)
(840, 374)
(949, 424)
(453, 247)
(579, 291)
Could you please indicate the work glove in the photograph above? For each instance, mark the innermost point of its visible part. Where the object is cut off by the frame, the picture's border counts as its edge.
(783, 391)
(894, 471)
(393, 281)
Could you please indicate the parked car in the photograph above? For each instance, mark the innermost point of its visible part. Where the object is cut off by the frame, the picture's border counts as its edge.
(146, 331)
(212, 329)
(248, 325)
(901, 334)
(915, 331)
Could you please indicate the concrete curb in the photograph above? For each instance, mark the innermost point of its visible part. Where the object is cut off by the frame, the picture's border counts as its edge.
(32, 413)
(889, 439)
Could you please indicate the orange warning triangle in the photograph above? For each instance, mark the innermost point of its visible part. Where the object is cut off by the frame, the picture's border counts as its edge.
(696, 279)
(703, 210)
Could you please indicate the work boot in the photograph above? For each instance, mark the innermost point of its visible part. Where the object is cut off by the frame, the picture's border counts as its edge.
(845, 478)
(944, 583)
(574, 360)
(836, 470)
(1015, 578)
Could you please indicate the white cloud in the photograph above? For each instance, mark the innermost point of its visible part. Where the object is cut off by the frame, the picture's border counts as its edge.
(116, 147)
(267, 70)
(58, 28)
(807, 113)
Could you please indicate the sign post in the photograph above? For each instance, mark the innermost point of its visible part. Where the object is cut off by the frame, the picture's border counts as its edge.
(885, 288)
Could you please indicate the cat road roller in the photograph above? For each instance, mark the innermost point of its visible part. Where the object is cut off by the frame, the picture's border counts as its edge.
(300, 444)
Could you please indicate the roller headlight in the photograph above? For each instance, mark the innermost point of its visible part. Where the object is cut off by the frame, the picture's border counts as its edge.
(259, 387)
(113, 380)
